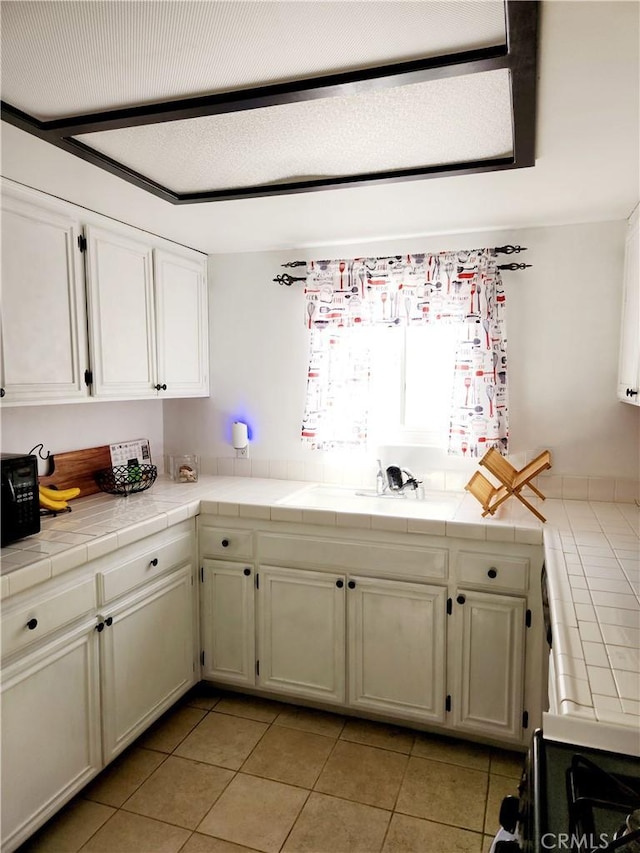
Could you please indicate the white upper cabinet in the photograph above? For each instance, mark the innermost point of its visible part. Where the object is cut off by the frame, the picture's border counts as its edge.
(181, 325)
(629, 367)
(121, 315)
(129, 323)
(44, 324)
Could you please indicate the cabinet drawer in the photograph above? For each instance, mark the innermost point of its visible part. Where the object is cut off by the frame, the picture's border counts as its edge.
(30, 622)
(492, 571)
(144, 568)
(226, 542)
(373, 558)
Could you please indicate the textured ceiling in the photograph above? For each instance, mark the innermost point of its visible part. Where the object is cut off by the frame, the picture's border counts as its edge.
(443, 121)
(67, 58)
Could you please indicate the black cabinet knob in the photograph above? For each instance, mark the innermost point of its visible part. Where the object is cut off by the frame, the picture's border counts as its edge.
(225, 543)
(100, 627)
(351, 584)
(108, 621)
(631, 392)
(2, 392)
(461, 599)
(163, 387)
(247, 572)
(32, 624)
(339, 584)
(157, 387)
(492, 573)
(154, 562)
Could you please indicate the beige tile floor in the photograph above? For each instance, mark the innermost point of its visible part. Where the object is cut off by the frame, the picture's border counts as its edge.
(226, 773)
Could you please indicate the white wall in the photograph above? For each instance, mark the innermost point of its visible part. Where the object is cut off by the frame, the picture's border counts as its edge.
(79, 425)
(563, 329)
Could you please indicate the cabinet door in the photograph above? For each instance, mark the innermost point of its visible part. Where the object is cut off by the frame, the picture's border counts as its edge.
(50, 730)
(228, 627)
(182, 325)
(301, 633)
(397, 648)
(147, 658)
(44, 324)
(629, 366)
(121, 315)
(488, 663)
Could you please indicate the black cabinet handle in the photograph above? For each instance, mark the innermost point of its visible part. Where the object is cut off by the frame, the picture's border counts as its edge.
(631, 392)
(2, 392)
(247, 572)
(351, 584)
(461, 599)
(492, 573)
(100, 627)
(32, 624)
(108, 621)
(225, 543)
(339, 584)
(160, 387)
(164, 387)
(154, 562)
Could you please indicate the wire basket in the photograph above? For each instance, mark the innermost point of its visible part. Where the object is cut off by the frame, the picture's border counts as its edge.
(125, 480)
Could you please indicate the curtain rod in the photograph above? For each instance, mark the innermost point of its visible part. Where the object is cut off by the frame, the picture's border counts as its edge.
(288, 280)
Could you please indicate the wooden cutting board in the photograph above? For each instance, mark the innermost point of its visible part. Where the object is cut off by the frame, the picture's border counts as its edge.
(76, 468)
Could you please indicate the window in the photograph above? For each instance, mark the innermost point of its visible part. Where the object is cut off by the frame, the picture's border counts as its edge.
(411, 383)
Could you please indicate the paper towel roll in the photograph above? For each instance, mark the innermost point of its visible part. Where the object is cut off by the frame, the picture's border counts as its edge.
(239, 435)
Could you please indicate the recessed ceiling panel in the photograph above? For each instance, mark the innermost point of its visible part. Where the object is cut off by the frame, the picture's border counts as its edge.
(424, 124)
(68, 58)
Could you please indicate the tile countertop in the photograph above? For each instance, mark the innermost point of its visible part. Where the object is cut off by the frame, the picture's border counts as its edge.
(592, 553)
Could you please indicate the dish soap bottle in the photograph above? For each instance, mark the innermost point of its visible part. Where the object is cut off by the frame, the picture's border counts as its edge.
(380, 479)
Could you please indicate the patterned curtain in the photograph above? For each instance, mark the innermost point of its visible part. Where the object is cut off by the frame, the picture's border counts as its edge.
(463, 288)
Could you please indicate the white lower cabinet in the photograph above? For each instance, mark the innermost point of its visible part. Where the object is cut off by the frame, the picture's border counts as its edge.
(146, 657)
(50, 730)
(397, 662)
(228, 631)
(90, 660)
(445, 640)
(301, 633)
(488, 646)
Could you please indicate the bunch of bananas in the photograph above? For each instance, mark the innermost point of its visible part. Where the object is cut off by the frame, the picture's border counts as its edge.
(56, 499)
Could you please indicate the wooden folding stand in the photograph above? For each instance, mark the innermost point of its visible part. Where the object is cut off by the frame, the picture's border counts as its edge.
(512, 481)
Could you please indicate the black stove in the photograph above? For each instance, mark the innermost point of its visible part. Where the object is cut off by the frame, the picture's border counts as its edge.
(574, 799)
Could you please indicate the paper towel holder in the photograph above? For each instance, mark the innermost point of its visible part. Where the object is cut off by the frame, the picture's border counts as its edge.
(240, 439)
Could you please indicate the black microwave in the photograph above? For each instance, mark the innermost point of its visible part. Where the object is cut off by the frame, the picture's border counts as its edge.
(20, 502)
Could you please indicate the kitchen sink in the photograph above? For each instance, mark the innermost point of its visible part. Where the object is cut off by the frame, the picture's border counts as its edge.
(350, 499)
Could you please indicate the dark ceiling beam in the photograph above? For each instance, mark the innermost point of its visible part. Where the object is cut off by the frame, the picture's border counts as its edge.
(348, 83)
(471, 167)
(522, 42)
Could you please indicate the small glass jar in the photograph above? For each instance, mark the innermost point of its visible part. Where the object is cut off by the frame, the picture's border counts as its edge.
(185, 468)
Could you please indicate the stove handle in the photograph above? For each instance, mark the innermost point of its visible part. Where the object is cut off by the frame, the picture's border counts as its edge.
(510, 813)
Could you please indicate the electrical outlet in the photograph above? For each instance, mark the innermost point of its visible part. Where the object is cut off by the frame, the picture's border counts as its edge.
(242, 452)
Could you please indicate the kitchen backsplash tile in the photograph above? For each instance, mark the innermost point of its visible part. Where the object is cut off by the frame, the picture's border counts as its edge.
(362, 475)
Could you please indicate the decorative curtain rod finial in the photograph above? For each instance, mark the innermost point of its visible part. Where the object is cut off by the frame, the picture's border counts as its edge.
(509, 250)
(285, 278)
